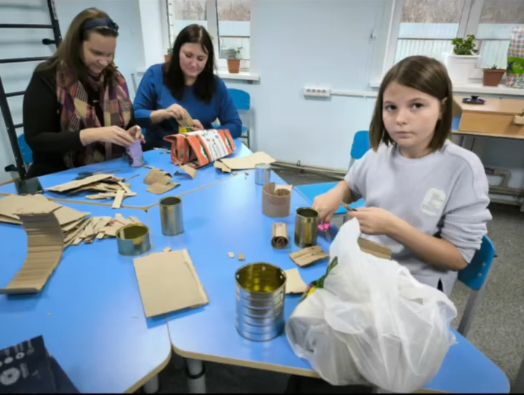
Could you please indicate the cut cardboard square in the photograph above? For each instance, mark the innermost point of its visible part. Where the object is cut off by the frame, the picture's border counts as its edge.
(248, 162)
(45, 247)
(168, 282)
(73, 185)
(294, 282)
(308, 255)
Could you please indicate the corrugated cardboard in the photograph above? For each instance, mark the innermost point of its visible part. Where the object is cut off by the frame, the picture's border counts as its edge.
(495, 118)
(294, 282)
(45, 246)
(308, 255)
(168, 282)
(374, 248)
(247, 162)
(280, 237)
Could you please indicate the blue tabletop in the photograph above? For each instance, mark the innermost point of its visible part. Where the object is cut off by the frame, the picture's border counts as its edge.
(89, 313)
(159, 158)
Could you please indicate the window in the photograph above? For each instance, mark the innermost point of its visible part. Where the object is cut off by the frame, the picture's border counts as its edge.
(227, 19)
(426, 27)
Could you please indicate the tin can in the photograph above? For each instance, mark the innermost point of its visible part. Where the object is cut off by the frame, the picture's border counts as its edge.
(262, 173)
(306, 227)
(260, 295)
(171, 216)
(133, 239)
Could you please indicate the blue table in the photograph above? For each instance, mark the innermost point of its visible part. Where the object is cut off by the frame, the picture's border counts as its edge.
(159, 158)
(234, 222)
(89, 313)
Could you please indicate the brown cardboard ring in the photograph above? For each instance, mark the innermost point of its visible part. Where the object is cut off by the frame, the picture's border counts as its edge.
(275, 203)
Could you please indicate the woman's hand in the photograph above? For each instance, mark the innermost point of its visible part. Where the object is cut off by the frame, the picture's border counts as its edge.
(179, 113)
(375, 221)
(136, 133)
(197, 125)
(107, 134)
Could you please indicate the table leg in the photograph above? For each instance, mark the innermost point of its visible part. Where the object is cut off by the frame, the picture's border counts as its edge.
(151, 387)
(518, 386)
(196, 376)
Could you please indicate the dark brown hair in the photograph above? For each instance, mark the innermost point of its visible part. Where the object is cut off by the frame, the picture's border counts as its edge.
(68, 58)
(205, 84)
(424, 74)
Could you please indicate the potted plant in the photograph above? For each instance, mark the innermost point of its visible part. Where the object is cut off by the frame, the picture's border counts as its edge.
(492, 76)
(463, 60)
(233, 59)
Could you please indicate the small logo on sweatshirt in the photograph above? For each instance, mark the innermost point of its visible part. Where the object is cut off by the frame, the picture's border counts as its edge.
(433, 202)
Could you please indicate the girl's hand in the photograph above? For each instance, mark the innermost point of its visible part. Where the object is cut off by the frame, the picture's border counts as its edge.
(197, 125)
(326, 205)
(375, 221)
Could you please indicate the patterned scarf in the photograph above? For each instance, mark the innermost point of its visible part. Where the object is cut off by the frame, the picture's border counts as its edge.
(78, 114)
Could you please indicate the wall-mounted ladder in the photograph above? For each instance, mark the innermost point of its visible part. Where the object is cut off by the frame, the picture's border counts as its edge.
(11, 127)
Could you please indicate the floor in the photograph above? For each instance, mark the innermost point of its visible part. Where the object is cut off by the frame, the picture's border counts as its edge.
(498, 329)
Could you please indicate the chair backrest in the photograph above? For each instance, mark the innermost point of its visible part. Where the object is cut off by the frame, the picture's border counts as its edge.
(25, 150)
(360, 144)
(476, 273)
(241, 99)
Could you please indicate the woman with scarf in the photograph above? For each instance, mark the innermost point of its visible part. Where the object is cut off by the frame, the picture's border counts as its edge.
(77, 108)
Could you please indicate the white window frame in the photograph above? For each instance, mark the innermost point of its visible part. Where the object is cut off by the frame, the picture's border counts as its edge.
(213, 29)
(468, 24)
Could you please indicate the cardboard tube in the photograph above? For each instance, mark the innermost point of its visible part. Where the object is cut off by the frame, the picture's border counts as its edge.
(280, 237)
(275, 203)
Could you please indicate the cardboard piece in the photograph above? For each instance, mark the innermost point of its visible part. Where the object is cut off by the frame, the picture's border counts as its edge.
(117, 203)
(275, 201)
(45, 247)
(189, 170)
(294, 282)
(374, 248)
(168, 282)
(247, 162)
(280, 238)
(72, 186)
(159, 182)
(11, 205)
(308, 255)
(495, 118)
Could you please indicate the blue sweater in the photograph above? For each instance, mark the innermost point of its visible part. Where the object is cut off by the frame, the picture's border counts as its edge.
(153, 94)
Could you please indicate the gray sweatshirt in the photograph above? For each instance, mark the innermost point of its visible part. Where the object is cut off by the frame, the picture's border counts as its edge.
(444, 194)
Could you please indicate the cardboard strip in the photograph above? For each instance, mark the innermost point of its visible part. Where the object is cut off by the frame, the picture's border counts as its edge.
(275, 201)
(247, 162)
(374, 248)
(294, 282)
(280, 237)
(72, 185)
(45, 247)
(308, 255)
(168, 282)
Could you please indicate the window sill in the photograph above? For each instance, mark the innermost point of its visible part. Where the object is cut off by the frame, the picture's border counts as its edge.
(241, 76)
(493, 90)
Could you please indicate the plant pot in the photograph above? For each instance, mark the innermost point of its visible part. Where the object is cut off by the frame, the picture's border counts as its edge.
(460, 67)
(233, 65)
(492, 77)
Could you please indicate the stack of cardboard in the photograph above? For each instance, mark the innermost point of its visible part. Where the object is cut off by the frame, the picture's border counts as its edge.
(107, 186)
(76, 226)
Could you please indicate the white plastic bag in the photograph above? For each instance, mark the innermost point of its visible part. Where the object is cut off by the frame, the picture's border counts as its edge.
(371, 321)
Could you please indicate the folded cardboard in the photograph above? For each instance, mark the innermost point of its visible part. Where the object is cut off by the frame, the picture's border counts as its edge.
(246, 162)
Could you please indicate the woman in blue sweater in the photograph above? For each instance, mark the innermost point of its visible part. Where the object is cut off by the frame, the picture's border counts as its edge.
(186, 85)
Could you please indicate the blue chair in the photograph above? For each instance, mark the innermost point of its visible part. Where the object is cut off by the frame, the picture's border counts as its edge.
(25, 150)
(360, 146)
(242, 102)
(474, 276)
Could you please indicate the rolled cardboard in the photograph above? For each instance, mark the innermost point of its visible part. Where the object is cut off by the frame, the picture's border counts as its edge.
(275, 202)
(280, 237)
